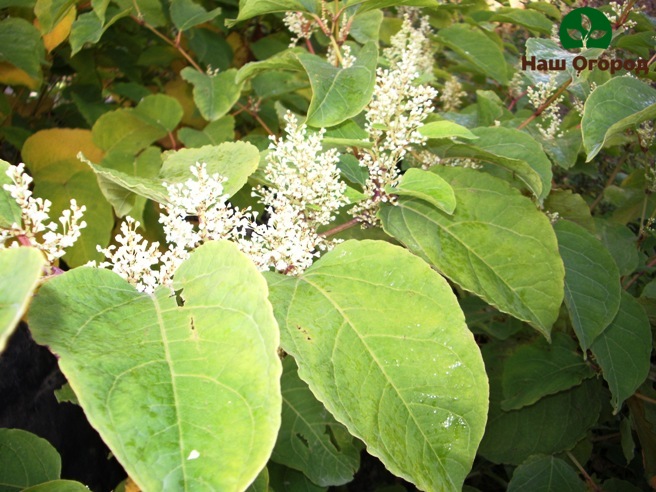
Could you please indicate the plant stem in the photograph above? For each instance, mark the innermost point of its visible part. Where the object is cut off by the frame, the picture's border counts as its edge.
(640, 274)
(609, 182)
(257, 118)
(169, 42)
(644, 398)
(546, 104)
(593, 486)
(340, 228)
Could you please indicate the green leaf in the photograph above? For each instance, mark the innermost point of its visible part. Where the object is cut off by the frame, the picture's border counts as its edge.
(620, 103)
(88, 28)
(253, 8)
(366, 5)
(310, 439)
(623, 350)
(58, 486)
(59, 176)
(446, 129)
(10, 212)
(21, 45)
(216, 132)
(120, 188)
(26, 460)
(339, 93)
(508, 148)
(130, 130)
(186, 14)
(365, 26)
(283, 479)
(496, 244)
(160, 111)
(285, 60)
(531, 19)
(538, 368)
(261, 483)
(405, 378)
(570, 206)
(621, 243)
(351, 169)
(20, 271)
(474, 46)
(545, 474)
(426, 186)
(592, 281)
(553, 424)
(214, 95)
(235, 161)
(184, 396)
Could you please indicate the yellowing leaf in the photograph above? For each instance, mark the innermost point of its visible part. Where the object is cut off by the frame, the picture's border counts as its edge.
(61, 31)
(10, 75)
(51, 157)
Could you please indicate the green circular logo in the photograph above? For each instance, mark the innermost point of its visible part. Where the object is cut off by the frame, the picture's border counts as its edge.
(585, 28)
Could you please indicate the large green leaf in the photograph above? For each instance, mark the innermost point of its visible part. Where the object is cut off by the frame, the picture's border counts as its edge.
(621, 243)
(21, 45)
(620, 103)
(446, 129)
(623, 350)
(592, 281)
(20, 271)
(496, 244)
(58, 486)
(537, 369)
(214, 95)
(186, 397)
(406, 378)
(531, 19)
(339, 93)
(10, 212)
(89, 27)
(474, 46)
(366, 5)
(234, 161)
(554, 424)
(51, 156)
(508, 148)
(284, 60)
(130, 130)
(26, 460)
(545, 474)
(310, 439)
(426, 186)
(253, 8)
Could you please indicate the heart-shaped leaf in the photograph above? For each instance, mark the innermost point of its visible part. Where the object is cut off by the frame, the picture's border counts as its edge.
(186, 397)
(406, 378)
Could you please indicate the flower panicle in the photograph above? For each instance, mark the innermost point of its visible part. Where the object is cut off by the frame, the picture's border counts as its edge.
(35, 228)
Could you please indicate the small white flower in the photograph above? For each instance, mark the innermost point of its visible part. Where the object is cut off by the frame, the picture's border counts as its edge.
(34, 217)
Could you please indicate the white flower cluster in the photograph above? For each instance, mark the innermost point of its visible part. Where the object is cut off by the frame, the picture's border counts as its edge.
(451, 94)
(34, 230)
(617, 14)
(201, 198)
(300, 26)
(538, 96)
(646, 134)
(396, 112)
(345, 58)
(305, 192)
